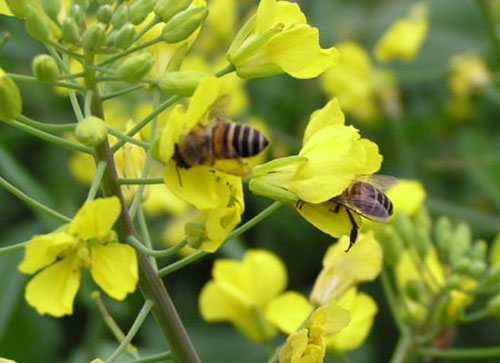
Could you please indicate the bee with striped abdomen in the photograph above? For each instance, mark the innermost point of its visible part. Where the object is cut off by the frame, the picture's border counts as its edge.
(365, 197)
(219, 143)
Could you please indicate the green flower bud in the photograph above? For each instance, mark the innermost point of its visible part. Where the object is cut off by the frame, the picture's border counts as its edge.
(52, 8)
(78, 14)
(176, 61)
(461, 265)
(17, 7)
(443, 235)
(10, 98)
(493, 275)
(104, 14)
(93, 38)
(140, 10)
(493, 305)
(120, 17)
(125, 36)
(477, 268)
(405, 228)
(83, 3)
(270, 191)
(135, 67)
(416, 290)
(91, 131)
(461, 241)
(45, 68)
(422, 219)
(422, 241)
(453, 282)
(166, 9)
(183, 24)
(182, 83)
(195, 233)
(391, 244)
(37, 22)
(70, 31)
(479, 250)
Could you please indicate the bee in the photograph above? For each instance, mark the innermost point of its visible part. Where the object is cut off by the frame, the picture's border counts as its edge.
(365, 197)
(219, 139)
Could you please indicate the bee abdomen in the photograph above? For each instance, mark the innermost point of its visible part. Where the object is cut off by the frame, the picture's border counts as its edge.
(238, 141)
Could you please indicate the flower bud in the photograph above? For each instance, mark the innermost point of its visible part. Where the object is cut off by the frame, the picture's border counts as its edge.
(104, 14)
(10, 98)
(124, 37)
(83, 3)
(422, 241)
(422, 219)
(182, 83)
(183, 24)
(493, 275)
(479, 250)
(139, 10)
(416, 290)
(45, 68)
(52, 8)
(443, 234)
(91, 131)
(453, 282)
(78, 14)
(93, 38)
(37, 23)
(477, 268)
(176, 61)
(461, 241)
(493, 305)
(70, 31)
(405, 228)
(461, 265)
(391, 244)
(195, 233)
(120, 17)
(270, 191)
(135, 67)
(17, 7)
(165, 9)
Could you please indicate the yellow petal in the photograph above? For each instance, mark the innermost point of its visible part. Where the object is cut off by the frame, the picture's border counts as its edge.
(289, 13)
(114, 269)
(362, 309)
(207, 92)
(53, 290)
(295, 347)
(330, 114)
(332, 317)
(44, 249)
(219, 222)
(4, 9)
(172, 132)
(288, 311)
(265, 15)
(95, 218)
(196, 185)
(324, 60)
(407, 196)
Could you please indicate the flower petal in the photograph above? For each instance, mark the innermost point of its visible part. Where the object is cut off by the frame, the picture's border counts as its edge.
(95, 218)
(114, 269)
(203, 97)
(407, 196)
(331, 317)
(295, 347)
(289, 13)
(266, 13)
(288, 311)
(330, 114)
(42, 250)
(53, 290)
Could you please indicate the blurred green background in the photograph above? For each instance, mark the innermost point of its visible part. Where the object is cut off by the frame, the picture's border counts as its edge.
(458, 161)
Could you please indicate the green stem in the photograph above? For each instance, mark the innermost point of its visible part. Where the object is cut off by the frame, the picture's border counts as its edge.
(67, 51)
(237, 232)
(129, 51)
(145, 236)
(72, 75)
(32, 202)
(146, 308)
(96, 183)
(475, 316)
(392, 302)
(487, 14)
(122, 92)
(48, 137)
(156, 253)
(156, 19)
(227, 69)
(13, 248)
(126, 181)
(44, 126)
(405, 350)
(126, 138)
(21, 78)
(464, 353)
(87, 103)
(161, 357)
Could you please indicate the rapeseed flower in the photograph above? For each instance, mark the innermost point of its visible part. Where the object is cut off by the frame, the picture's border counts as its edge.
(87, 241)
(407, 196)
(278, 40)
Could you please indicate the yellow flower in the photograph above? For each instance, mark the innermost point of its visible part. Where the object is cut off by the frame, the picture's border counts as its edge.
(219, 26)
(174, 232)
(341, 270)
(407, 196)
(163, 200)
(468, 73)
(276, 40)
(308, 344)
(332, 155)
(356, 83)
(362, 309)
(240, 292)
(404, 37)
(87, 241)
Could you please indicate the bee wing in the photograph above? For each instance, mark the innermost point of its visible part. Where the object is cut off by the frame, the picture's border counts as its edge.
(220, 107)
(236, 167)
(380, 181)
(369, 208)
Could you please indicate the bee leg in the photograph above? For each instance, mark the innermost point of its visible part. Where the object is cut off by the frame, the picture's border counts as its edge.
(299, 204)
(179, 176)
(354, 230)
(336, 209)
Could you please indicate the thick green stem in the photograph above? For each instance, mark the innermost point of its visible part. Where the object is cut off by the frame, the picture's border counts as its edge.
(162, 357)
(21, 78)
(392, 302)
(465, 353)
(126, 181)
(405, 350)
(475, 316)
